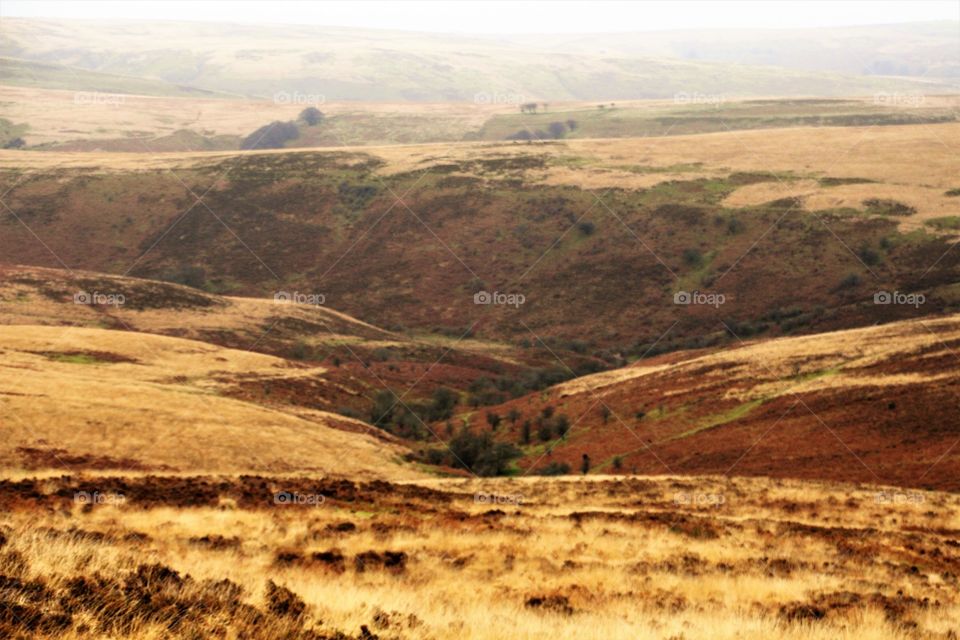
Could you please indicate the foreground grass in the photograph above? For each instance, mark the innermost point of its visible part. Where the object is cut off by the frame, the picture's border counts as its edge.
(559, 558)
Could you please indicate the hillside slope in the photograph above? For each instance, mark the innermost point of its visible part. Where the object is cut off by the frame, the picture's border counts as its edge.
(877, 405)
(93, 398)
(597, 235)
(352, 361)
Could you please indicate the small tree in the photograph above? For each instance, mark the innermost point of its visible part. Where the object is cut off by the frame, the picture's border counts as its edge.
(605, 412)
(585, 464)
(525, 432)
(444, 400)
(384, 406)
(311, 116)
(547, 411)
(513, 415)
(561, 425)
(557, 129)
(544, 432)
(617, 463)
(493, 420)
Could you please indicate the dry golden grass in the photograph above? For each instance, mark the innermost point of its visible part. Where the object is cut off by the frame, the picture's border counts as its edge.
(913, 164)
(661, 557)
(56, 116)
(800, 364)
(160, 401)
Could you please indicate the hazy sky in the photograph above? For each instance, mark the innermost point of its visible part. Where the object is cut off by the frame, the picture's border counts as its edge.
(507, 17)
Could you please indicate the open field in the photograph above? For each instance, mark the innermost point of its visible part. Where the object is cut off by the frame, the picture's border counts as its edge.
(301, 557)
(62, 120)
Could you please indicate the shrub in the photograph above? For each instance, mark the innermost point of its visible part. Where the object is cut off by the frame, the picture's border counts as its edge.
(444, 401)
(869, 256)
(300, 350)
(850, 281)
(384, 406)
(544, 432)
(557, 129)
(311, 116)
(692, 257)
(587, 228)
(554, 469)
(480, 454)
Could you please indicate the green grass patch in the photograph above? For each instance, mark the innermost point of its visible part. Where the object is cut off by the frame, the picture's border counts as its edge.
(837, 182)
(944, 223)
(720, 419)
(882, 207)
(74, 358)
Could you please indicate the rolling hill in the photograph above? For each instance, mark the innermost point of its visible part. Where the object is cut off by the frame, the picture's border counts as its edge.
(597, 235)
(367, 65)
(874, 405)
(102, 399)
(346, 362)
